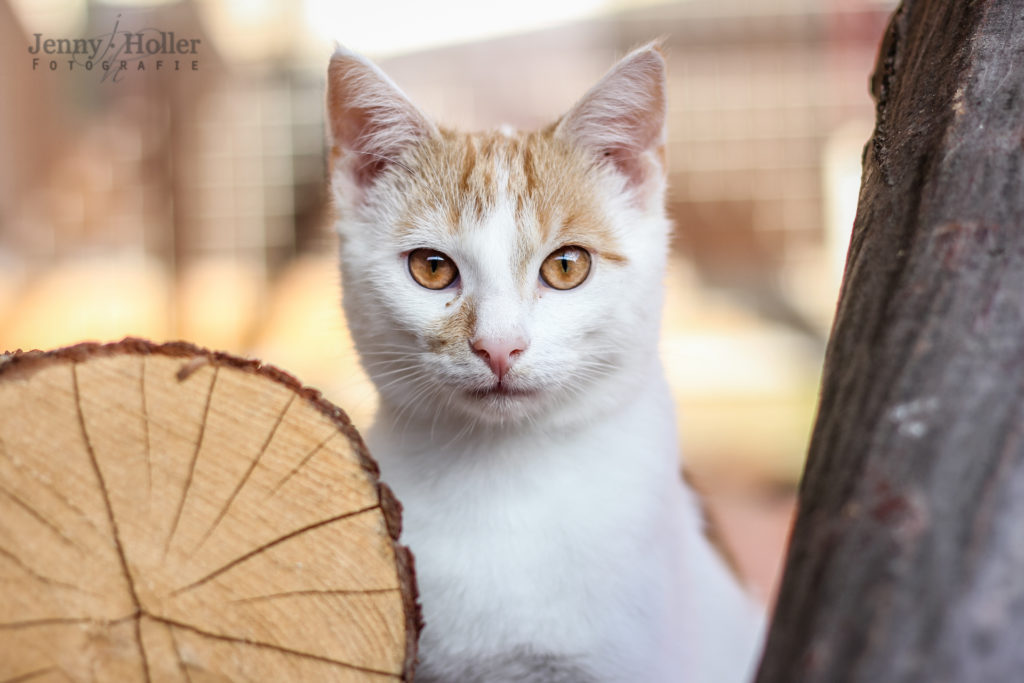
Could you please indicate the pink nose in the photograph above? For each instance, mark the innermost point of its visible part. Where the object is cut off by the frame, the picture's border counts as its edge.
(499, 353)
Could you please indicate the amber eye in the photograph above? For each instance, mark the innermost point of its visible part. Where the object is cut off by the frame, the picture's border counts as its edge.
(432, 269)
(566, 268)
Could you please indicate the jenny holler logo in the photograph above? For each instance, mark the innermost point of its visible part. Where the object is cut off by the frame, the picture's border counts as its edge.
(116, 53)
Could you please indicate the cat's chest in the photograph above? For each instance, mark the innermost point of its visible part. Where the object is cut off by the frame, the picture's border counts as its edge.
(504, 547)
(518, 505)
(544, 511)
(510, 536)
(532, 500)
(502, 557)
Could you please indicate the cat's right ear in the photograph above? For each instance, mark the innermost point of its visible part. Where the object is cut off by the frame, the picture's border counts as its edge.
(371, 122)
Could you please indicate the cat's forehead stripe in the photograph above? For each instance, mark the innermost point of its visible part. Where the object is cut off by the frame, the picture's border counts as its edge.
(464, 178)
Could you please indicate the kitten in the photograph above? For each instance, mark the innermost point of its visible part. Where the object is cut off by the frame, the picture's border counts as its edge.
(504, 292)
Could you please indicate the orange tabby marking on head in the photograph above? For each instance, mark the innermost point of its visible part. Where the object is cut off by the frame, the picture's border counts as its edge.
(549, 183)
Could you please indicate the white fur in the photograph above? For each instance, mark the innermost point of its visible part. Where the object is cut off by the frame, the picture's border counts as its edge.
(555, 522)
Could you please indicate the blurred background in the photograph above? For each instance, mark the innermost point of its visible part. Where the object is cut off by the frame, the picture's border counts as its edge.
(180, 195)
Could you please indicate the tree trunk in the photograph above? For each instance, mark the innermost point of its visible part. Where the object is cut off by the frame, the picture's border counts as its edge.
(907, 558)
(168, 514)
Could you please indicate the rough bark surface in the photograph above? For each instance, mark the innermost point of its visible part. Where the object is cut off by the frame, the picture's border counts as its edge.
(171, 514)
(907, 558)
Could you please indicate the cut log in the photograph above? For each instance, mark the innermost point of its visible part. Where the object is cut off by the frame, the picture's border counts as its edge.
(907, 555)
(171, 514)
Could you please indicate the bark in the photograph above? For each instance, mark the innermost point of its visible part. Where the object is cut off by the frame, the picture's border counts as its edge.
(907, 555)
(170, 514)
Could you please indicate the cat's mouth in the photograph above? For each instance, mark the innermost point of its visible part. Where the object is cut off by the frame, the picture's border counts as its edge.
(502, 389)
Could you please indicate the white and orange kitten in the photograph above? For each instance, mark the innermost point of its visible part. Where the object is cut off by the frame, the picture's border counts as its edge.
(504, 291)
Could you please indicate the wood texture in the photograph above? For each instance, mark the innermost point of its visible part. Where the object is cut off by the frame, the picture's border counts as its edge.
(907, 558)
(168, 514)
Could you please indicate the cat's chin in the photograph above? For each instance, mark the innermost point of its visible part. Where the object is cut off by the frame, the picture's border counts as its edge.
(499, 391)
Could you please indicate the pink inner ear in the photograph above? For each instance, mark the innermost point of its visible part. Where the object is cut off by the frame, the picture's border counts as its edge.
(622, 118)
(371, 120)
(635, 166)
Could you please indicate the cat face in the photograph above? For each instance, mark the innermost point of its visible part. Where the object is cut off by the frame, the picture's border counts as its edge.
(501, 277)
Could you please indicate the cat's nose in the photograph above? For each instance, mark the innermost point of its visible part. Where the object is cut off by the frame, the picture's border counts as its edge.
(499, 353)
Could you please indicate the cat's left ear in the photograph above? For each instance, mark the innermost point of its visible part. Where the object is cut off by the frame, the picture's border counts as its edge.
(622, 118)
(371, 121)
